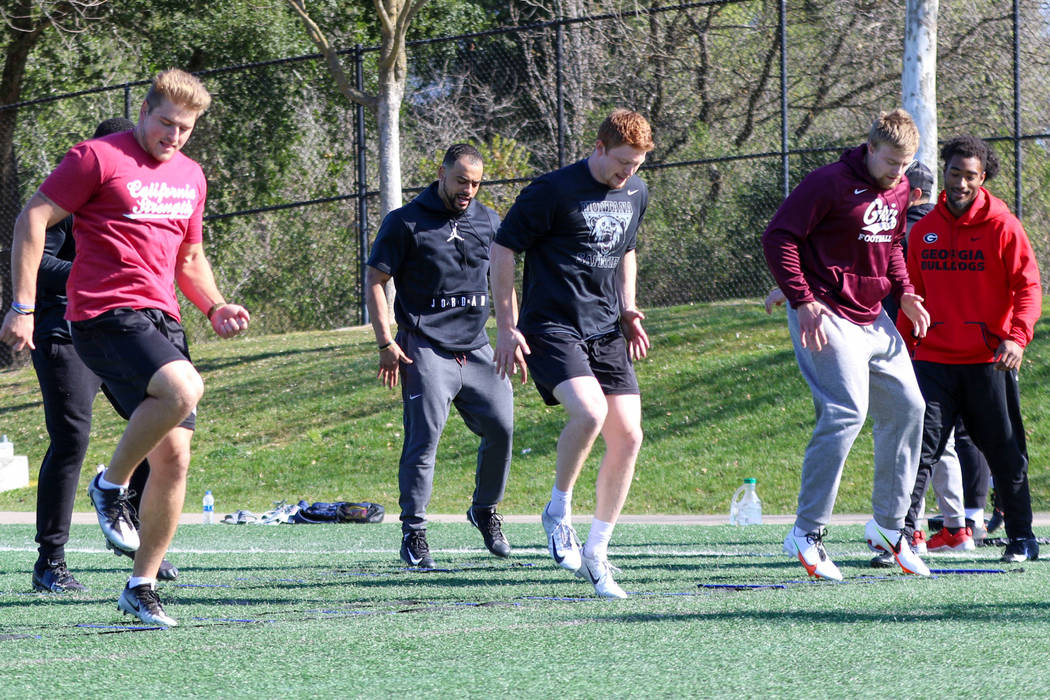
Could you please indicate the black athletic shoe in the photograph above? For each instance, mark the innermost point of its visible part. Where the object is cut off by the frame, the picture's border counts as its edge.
(415, 551)
(995, 523)
(53, 577)
(1021, 549)
(490, 523)
(116, 515)
(144, 603)
(883, 560)
(167, 571)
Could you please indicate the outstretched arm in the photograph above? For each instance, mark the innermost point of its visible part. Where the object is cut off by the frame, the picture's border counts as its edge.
(197, 281)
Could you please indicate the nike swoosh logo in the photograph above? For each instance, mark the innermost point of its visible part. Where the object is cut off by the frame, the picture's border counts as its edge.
(413, 396)
(859, 191)
(630, 192)
(415, 561)
(554, 550)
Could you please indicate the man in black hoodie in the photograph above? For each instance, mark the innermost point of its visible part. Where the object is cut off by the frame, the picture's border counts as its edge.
(436, 249)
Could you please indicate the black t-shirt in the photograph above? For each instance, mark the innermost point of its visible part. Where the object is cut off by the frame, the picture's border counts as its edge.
(574, 231)
(440, 264)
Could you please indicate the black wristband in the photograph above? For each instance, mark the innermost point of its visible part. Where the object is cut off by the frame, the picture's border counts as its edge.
(384, 347)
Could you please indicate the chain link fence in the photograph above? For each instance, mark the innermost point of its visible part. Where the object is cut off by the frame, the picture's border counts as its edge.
(739, 116)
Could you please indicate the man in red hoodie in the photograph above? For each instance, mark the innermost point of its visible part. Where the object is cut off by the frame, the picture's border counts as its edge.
(972, 262)
(834, 248)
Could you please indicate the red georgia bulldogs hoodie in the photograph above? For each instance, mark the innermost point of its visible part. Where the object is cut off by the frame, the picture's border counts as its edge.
(979, 278)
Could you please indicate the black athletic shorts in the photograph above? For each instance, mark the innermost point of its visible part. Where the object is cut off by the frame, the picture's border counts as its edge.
(125, 348)
(558, 356)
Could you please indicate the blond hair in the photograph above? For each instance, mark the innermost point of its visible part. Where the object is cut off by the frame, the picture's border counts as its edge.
(624, 126)
(896, 129)
(179, 88)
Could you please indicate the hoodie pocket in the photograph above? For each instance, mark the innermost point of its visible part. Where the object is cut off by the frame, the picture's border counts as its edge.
(865, 291)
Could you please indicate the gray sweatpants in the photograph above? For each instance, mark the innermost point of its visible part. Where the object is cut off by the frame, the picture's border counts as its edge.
(434, 382)
(862, 369)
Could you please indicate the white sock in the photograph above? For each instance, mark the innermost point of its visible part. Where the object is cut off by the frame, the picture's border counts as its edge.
(560, 507)
(136, 581)
(597, 545)
(798, 532)
(976, 515)
(103, 484)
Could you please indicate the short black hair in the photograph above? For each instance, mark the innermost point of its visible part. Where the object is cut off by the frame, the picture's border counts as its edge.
(969, 146)
(113, 126)
(460, 150)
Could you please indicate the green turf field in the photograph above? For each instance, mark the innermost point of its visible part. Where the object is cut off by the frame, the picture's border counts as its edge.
(326, 611)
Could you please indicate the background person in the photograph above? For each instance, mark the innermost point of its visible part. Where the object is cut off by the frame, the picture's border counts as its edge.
(436, 248)
(579, 327)
(972, 261)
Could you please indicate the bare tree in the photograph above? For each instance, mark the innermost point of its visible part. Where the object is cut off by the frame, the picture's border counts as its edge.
(919, 77)
(24, 24)
(394, 18)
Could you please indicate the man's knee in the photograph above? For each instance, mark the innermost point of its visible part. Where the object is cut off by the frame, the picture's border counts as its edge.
(179, 384)
(170, 459)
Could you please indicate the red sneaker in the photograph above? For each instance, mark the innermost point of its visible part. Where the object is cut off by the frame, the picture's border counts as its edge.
(918, 542)
(961, 541)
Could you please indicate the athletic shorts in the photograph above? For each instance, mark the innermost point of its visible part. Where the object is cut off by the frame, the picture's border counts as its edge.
(556, 357)
(125, 348)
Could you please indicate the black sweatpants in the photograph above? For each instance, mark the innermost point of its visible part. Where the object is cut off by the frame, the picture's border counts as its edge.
(989, 403)
(68, 389)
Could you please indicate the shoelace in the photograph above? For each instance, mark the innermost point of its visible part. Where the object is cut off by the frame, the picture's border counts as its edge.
(148, 598)
(494, 525)
(817, 538)
(417, 543)
(62, 574)
(564, 533)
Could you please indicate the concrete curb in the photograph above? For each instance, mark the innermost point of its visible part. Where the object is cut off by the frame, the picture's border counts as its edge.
(29, 518)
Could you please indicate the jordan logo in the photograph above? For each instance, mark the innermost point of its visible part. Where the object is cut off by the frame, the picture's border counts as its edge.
(454, 236)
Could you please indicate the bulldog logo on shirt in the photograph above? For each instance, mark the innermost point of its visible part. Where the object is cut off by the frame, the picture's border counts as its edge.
(608, 222)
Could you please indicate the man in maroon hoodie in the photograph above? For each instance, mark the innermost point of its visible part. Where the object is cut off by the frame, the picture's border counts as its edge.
(834, 248)
(972, 261)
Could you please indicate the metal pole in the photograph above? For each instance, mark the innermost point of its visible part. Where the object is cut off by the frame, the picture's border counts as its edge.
(362, 182)
(1018, 154)
(127, 100)
(784, 164)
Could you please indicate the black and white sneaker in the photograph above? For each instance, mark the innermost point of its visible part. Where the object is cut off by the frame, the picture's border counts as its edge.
(53, 577)
(116, 515)
(144, 603)
(1020, 549)
(415, 551)
(491, 525)
(167, 571)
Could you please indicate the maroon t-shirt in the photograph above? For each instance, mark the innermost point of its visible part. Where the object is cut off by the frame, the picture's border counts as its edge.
(131, 215)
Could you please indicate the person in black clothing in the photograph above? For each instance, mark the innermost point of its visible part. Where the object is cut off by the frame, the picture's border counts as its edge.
(436, 249)
(68, 389)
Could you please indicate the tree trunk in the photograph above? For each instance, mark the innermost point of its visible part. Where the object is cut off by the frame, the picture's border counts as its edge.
(919, 77)
(388, 109)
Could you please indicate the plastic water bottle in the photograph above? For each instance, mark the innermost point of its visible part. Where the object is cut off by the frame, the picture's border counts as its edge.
(7, 449)
(209, 508)
(745, 508)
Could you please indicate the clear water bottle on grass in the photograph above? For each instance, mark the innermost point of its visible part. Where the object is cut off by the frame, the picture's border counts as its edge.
(7, 449)
(209, 508)
(745, 508)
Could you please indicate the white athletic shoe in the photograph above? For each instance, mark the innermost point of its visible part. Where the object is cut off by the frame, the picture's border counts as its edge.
(881, 539)
(562, 542)
(116, 516)
(810, 551)
(144, 603)
(599, 572)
